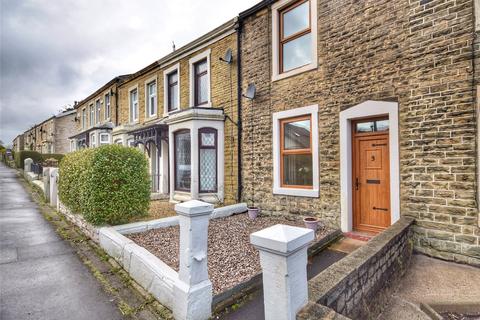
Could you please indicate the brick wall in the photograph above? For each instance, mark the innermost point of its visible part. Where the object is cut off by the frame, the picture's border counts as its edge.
(418, 53)
(223, 85)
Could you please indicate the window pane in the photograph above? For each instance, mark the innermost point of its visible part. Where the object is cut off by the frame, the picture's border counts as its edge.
(182, 161)
(172, 77)
(297, 52)
(297, 135)
(208, 139)
(382, 125)
(202, 87)
(172, 97)
(368, 126)
(297, 170)
(201, 66)
(208, 170)
(296, 19)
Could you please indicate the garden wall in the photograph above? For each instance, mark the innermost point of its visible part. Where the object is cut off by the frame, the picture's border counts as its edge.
(348, 286)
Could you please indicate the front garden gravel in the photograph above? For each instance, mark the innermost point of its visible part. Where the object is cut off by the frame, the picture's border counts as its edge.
(231, 257)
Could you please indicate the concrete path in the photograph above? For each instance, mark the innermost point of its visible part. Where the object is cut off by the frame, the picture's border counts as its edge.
(437, 283)
(40, 275)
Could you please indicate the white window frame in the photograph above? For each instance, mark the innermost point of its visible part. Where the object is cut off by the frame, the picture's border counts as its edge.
(147, 98)
(191, 62)
(118, 141)
(93, 140)
(130, 142)
(92, 114)
(103, 134)
(84, 118)
(98, 110)
(107, 106)
(278, 6)
(173, 68)
(312, 111)
(131, 118)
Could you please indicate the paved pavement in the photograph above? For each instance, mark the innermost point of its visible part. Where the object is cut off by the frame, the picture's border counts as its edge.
(40, 275)
(446, 286)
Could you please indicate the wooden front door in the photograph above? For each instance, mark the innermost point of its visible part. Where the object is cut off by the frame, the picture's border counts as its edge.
(371, 175)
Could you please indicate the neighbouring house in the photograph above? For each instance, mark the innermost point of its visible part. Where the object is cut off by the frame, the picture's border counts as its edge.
(182, 112)
(18, 143)
(51, 135)
(96, 115)
(29, 138)
(364, 111)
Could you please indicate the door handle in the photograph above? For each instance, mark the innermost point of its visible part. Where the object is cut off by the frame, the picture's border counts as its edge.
(381, 209)
(356, 183)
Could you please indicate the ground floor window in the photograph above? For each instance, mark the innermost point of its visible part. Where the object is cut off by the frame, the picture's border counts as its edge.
(182, 148)
(104, 138)
(295, 151)
(207, 145)
(93, 142)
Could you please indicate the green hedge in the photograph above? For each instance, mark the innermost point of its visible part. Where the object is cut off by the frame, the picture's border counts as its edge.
(35, 156)
(109, 184)
(25, 154)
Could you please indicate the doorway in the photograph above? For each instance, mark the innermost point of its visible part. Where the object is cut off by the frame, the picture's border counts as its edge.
(371, 174)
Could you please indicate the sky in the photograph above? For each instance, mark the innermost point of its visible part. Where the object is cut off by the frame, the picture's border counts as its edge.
(53, 52)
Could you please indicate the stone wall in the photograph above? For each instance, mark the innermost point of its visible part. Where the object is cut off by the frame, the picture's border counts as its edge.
(418, 53)
(349, 285)
(64, 128)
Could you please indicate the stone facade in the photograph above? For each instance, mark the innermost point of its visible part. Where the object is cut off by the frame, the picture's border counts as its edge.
(417, 53)
(18, 143)
(64, 127)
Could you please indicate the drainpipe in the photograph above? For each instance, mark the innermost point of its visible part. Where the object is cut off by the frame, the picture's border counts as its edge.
(116, 104)
(239, 110)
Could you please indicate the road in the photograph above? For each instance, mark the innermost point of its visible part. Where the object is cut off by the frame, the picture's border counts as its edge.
(41, 276)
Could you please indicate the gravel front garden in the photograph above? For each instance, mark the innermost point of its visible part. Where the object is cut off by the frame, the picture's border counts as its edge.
(231, 257)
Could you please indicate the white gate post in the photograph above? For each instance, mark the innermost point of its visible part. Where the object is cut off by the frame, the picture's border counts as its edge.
(46, 183)
(27, 165)
(194, 290)
(283, 257)
(54, 187)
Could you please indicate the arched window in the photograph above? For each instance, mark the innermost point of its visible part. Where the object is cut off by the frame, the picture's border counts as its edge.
(207, 145)
(182, 161)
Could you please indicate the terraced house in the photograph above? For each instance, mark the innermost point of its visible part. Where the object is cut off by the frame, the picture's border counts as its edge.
(96, 115)
(364, 111)
(182, 112)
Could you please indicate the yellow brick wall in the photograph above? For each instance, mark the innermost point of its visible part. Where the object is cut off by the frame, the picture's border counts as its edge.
(223, 91)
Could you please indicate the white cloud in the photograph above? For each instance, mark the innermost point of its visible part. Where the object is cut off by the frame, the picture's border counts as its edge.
(55, 52)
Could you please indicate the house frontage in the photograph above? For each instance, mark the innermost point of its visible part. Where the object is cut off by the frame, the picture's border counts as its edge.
(364, 111)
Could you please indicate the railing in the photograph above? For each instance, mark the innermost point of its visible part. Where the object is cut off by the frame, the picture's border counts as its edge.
(37, 168)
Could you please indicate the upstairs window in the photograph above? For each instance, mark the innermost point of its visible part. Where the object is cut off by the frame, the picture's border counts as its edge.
(107, 106)
(152, 98)
(84, 118)
(97, 111)
(294, 37)
(92, 115)
(172, 91)
(133, 105)
(200, 82)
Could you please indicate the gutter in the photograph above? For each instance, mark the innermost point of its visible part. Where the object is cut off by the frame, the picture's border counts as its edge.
(239, 111)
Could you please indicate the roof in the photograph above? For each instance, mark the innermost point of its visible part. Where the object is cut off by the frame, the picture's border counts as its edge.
(259, 6)
(117, 79)
(225, 27)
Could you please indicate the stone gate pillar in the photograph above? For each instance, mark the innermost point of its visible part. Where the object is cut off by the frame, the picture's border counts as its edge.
(54, 187)
(283, 257)
(194, 291)
(27, 165)
(46, 183)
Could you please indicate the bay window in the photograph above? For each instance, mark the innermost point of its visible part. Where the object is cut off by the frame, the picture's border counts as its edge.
(104, 138)
(207, 145)
(182, 160)
(93, 142)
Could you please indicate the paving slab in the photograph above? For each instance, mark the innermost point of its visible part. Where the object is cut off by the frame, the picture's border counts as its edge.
(40, 275)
